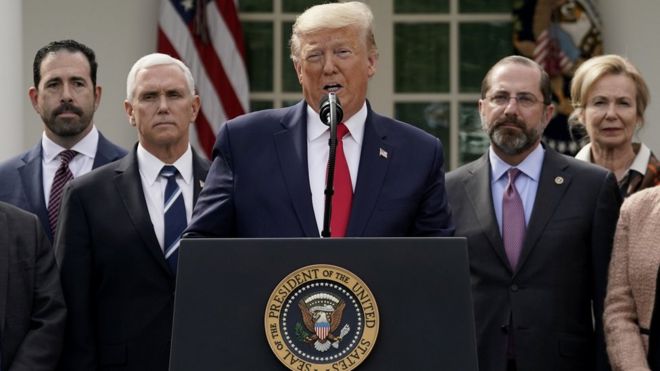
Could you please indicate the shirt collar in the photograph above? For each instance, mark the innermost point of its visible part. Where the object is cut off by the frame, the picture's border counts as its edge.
(355, 124)
(639, 164)
(641, 161)
(151, 165)
(86, 146)
(585, 153)
(530, 166)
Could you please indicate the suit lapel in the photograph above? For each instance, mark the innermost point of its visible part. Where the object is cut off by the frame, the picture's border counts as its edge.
(553, 183)
(4, 268)
(33, 185)
(200, 170)
(291, 147)
(105, 152)
(479, 193)
(371, 174)
(129, 187)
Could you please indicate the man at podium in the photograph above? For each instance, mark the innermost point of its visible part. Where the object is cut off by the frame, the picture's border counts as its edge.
(269, 167)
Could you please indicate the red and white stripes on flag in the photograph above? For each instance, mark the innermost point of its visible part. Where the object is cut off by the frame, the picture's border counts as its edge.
(207, 36)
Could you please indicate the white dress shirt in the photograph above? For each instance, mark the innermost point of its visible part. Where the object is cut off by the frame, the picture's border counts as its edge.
(82, 163)
(153, 186)
(527, 182)
(639, 164)
(318, 135)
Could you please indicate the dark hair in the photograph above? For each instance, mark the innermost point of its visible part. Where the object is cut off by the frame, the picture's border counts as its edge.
(544, 83)
(70, 45)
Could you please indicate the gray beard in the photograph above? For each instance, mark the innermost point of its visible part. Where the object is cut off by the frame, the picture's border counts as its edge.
(513, 143)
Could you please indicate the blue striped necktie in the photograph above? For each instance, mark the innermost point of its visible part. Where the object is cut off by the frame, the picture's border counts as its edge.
(175, 216)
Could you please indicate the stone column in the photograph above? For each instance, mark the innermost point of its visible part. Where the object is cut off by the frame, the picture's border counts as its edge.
(12, 92)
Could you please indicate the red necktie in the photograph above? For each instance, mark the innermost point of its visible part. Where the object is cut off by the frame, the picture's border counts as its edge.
(62, 176)
(343, 196)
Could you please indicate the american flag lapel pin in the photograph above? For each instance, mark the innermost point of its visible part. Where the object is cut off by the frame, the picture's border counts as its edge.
(382, 153)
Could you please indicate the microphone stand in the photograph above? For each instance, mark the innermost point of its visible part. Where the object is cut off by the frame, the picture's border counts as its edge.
(330, 174)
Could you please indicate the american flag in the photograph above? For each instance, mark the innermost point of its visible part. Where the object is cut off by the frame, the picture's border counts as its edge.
(207, 36)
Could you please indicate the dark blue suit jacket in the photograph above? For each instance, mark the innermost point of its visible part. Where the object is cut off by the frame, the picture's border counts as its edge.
(21, 178)
(118, 287)
(258, 185)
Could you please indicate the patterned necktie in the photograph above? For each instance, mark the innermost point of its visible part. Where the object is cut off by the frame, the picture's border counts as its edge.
(62, 176)
(343, 196)
(513, 219)
(175, 216)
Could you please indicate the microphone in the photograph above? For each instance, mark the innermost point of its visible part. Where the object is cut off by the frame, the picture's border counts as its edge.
(331, 114)
(330, 107)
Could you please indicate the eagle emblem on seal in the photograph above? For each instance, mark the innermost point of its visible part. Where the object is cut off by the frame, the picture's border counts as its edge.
(321, 314)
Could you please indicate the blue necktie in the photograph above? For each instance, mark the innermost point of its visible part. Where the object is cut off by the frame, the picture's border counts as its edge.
(175, 216)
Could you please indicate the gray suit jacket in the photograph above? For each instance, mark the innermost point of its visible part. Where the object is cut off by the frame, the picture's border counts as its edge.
(21, 181)
(562, 272)
(32, 310)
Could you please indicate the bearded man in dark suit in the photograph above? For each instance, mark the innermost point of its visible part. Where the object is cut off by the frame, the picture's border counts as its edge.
(65, 95)
(539, 227)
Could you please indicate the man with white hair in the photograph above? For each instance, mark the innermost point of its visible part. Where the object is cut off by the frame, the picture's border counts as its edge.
(269, 167)
(119, 227)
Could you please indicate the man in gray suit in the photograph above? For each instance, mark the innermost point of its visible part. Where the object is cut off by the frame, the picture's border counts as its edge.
(65, 95)
(539, 227)
(32, 310)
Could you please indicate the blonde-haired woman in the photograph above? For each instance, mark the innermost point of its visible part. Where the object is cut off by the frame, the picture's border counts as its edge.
(631, 317)
(610, 96)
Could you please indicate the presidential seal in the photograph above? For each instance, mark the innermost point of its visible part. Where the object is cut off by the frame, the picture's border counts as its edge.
(321, 318)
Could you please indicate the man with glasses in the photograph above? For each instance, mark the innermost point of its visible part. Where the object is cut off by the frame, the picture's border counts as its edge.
(539, 227)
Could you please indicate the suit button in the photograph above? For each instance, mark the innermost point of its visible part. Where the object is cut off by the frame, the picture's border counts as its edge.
(514, 287)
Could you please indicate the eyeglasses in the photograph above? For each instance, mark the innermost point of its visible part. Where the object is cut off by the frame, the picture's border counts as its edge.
(526, 100)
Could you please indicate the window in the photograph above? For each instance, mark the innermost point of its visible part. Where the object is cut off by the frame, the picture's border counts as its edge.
(433, 56)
